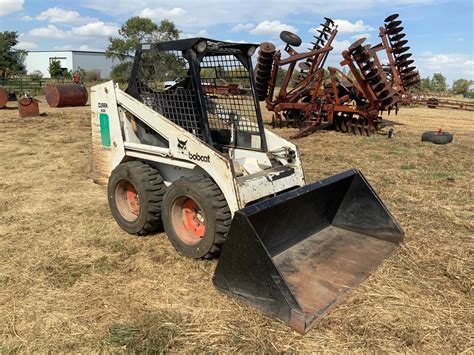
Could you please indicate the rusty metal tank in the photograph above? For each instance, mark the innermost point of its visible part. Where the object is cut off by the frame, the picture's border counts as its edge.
(3, 97)
(66, 95)
(28, 107)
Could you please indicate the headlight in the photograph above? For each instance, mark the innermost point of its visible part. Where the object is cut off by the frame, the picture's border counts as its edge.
(201, 46)
(251, 51)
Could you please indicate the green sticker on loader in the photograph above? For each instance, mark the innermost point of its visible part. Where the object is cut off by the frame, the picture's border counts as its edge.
(104, 129)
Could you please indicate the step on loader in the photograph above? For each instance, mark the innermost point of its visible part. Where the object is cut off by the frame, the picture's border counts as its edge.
(193, 156)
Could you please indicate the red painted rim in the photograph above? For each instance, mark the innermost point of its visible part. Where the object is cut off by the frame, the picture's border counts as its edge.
(188, 220)
(127, 200)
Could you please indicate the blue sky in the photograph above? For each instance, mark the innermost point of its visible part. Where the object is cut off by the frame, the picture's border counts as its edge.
(440, 32)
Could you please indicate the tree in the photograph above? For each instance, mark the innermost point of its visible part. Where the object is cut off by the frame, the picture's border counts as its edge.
(136, 30)
(133, 32)
(121, 72)
(438, 83)
(461, 86)
(11, 59)
(55, 70)
(425, 84)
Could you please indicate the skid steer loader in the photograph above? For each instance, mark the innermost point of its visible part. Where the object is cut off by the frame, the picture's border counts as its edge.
(195, 158)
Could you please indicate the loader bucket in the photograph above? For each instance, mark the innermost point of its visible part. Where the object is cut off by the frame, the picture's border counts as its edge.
(296, 255)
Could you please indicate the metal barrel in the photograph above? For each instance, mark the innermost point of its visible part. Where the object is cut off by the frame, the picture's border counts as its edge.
(66, 95)
(3, 97)
(296, 255)
(28, 107)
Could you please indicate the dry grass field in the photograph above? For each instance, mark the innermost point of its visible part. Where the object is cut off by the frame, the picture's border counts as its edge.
(72, 280)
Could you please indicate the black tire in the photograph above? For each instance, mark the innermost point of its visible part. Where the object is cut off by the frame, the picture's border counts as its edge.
(432, 103)
(148, 186)
(290, 38)
(211, 210)
(437, 137)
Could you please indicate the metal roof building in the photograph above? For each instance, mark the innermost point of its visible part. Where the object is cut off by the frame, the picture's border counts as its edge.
(70, 60)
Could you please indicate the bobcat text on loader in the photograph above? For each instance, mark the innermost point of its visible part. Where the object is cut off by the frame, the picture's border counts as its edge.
(200, 163)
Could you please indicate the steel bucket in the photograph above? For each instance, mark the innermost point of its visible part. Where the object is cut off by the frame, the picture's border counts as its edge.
(296, 255)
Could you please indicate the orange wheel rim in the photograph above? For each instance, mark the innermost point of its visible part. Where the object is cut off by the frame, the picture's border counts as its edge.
(132, 199)
(188, 220)
(127, 200)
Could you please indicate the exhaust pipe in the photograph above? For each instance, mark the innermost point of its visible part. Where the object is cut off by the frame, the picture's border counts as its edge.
(296, 255)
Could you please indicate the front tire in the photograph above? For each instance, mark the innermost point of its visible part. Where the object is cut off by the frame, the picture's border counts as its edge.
(196, 217)
(135, 193)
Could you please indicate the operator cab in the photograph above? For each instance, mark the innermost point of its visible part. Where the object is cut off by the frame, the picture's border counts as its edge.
(214, 95)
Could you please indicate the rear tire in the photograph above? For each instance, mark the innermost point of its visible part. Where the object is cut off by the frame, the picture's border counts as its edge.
(135, 193)
(196, 217)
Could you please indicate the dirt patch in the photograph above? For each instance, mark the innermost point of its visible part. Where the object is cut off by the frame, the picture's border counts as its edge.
(72, 280)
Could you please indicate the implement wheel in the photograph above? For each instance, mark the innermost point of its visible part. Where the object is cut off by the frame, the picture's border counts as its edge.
(196, 217)
(135, 193)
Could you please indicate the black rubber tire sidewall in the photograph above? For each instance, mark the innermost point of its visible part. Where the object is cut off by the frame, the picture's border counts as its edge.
(126, 172)
(183, 187)
(290, 38)
(437, 138)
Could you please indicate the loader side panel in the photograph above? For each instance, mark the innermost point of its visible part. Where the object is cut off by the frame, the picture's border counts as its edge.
(107, 141)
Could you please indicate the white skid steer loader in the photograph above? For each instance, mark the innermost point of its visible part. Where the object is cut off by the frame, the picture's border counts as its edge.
(194, 158)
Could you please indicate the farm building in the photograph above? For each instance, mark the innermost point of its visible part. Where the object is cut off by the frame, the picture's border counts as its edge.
(70, 60)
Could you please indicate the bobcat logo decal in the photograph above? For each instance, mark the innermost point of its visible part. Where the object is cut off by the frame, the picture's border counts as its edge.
(182, 146)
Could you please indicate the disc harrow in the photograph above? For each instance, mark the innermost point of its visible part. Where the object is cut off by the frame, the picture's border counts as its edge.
(404, 76)
(352, 105)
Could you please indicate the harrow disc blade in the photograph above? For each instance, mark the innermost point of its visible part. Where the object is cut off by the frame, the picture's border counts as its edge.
(398, 37)
(383, 94)
(379, 87)
(329, 21)
(399, 43)
(401, 50)
(363, 56)
(407, 70)
(304, 66)
(395, 30)
(411, 82)
(323, 34)
(267, 47)
(325, 27)
(375, 80)
(367, 66)
(402, 57)
(404, 63)
(373, 73)
(393, 24)
(409, 76)
(391, 18)
(356, 44)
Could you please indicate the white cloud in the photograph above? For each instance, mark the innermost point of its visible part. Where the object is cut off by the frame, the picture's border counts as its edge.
(344, 26)
(96, 29)
(63, 48)
(271, 28)
(26, 18)
(58, 15)
(361, 35)
(10, 6)
(242, 27)
(86, 47)
(452, 65)
(26, 45)
(161, 13)
(48, 32)
(201, 33)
